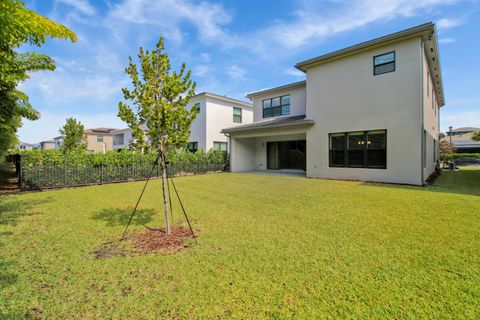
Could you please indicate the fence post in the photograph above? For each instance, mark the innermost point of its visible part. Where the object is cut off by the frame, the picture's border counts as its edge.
(101, 173)
(19, 168)
(65, 170)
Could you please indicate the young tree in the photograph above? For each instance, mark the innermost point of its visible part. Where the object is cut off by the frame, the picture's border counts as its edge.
(159, 103)
(74, 138)
(19, 26)
(446, 149)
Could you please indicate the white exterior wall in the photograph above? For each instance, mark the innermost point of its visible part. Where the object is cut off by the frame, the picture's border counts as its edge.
(127, 137)
(431, 122)
(343, 95)
(198, 130)
(297, 102)
(220, 115)
(243, 150)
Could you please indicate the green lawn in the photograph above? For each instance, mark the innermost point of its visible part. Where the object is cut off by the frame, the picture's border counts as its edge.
(270, 247)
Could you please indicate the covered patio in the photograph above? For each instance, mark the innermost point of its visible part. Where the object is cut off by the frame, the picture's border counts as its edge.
(276, 146)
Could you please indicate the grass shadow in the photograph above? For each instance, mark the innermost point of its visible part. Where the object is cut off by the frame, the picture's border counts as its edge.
(117, 216)
(12, 209)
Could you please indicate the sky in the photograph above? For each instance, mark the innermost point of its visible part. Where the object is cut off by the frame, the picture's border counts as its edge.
(232, 47)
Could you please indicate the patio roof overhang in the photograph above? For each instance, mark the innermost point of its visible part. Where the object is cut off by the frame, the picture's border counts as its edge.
(277, 123)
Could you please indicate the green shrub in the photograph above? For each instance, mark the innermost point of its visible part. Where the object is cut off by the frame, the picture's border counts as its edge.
(455, 156)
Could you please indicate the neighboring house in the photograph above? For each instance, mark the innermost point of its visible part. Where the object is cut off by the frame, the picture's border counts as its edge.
(216, 112)
(24, 146)
(462, 140)
(99, 139)
(47, 145)
(58, 142)
(367, 112)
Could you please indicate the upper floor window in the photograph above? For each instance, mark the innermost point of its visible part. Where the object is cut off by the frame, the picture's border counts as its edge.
(384, 63)
(278, 106)
(237, 115)
(99, 138)
(197, 105)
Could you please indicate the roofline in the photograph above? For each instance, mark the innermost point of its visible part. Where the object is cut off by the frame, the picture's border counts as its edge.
(271, 90)
(248, 128)
(223, 98)
(303, 65)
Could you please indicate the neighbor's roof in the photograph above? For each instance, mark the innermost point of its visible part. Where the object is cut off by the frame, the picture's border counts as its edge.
(223, 98)
(428, 33)
(101, 130)
(470, 129)
(275, 89)
(463, 140)
(271, 123)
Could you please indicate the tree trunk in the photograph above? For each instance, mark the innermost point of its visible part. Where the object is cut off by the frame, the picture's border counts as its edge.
(164, 191)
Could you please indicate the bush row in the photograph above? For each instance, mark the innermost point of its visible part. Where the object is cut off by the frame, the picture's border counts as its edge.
(40, 158)
(456, 156)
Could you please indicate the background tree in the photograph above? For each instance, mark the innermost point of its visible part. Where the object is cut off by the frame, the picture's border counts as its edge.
(476, 136)
(159, 104)
(446, 148)
(74, 138)
(19, 26)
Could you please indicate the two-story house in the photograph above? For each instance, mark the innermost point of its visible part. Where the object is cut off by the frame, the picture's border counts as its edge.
(367, 112)
(216, 113)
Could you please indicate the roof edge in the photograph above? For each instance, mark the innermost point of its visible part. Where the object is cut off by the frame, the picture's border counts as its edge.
(270, 90)
(224, 98)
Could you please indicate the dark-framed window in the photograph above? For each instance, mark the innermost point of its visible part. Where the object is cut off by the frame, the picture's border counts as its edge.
(99, 138)
(192, 146)
(237, 115)
(278, 106)
(219, 145)
(197, 105)
(359, 149)
(384, 63)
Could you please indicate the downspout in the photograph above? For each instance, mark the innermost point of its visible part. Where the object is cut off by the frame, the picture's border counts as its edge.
(422, 170)
(229, 153)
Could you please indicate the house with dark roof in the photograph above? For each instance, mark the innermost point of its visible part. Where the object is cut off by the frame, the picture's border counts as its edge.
(368, 112)
(461, 139)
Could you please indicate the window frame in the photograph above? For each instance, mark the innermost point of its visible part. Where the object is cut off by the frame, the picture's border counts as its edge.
(385, 63)
(102, 139)
(364, 149)
(221, 143)
(237, 115)
(280, 106)
(193, 150)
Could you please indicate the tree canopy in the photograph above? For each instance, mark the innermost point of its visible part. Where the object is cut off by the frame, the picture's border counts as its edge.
(476, 136)
(74, 138)
(158, 109)
(19, 26)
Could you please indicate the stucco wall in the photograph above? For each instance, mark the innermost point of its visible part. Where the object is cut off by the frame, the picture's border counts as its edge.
(198, 130)
(344, 95)
(220, 116)
(297, 102)
(95, 146)
(431, 121)
(243, 150)
(127, 137)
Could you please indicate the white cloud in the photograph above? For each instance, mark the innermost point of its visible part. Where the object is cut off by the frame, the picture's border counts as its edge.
(205, 57)
(293, 72)
(447, 23)
(313, 24)
(208, 18)
(446, 40)
(83, 6)
(236, 73)
(200, 70)
(460, 119)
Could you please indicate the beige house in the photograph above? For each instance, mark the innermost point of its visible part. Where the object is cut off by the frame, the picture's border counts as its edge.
(461, 139)
(99, 139)
(47, 145)
(367, 112)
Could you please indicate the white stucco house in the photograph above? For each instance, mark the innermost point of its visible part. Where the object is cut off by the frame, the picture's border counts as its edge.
(216, 113)
(368, 112)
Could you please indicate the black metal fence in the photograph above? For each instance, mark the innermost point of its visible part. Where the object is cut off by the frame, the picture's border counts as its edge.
(69, 175)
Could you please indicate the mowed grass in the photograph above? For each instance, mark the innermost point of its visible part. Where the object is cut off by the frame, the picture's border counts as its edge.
(269, 247)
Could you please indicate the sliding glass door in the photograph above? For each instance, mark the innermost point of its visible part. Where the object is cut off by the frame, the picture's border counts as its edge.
(286, 155)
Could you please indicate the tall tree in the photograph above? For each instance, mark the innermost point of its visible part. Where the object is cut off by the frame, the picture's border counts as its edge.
(74, 138)
(19, 26)
(476, 136)
(159, 100)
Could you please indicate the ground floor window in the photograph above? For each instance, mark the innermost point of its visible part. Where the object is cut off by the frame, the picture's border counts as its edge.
(360, 149)
(218, 145)
(192, 146)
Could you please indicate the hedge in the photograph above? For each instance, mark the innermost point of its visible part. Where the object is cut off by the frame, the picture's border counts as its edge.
(456, 156)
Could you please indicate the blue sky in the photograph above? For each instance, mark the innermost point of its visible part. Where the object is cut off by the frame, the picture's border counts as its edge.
(233, 47)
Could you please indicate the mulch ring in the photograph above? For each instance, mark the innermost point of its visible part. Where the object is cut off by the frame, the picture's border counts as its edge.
(148, 241)
(154, 240)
